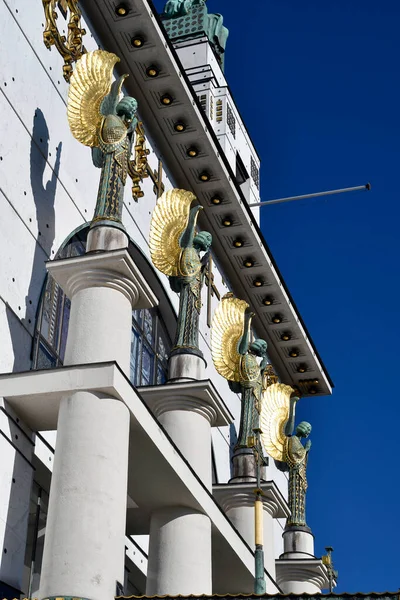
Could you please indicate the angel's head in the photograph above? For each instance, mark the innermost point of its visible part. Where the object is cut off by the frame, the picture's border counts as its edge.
(202, 241)
(259, 348)
(303, 429)
(126, 108)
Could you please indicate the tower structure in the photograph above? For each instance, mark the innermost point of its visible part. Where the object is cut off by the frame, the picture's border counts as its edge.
(117, 432)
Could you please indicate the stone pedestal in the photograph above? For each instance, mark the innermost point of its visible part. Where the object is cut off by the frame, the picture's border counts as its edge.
(180, 539)
(237, 502)
(297, 570)
(84, 543)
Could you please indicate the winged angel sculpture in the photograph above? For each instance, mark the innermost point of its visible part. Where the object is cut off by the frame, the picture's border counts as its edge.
(99, 119)
(235, 358)
(277, 417)
(175, 250)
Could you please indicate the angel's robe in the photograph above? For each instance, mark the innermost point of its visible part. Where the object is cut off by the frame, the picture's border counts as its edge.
(295, 456)
(112, 156)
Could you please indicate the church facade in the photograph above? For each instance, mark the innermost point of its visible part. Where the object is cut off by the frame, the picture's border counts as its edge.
(123, 470)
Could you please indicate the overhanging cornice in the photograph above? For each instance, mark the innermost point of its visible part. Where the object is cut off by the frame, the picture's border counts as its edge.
(115, 34)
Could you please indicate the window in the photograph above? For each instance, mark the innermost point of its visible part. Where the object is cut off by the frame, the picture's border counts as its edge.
(230, 119)
(255, 173)
(151, 340)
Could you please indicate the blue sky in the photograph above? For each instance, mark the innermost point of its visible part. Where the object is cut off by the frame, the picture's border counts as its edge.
(317, 83)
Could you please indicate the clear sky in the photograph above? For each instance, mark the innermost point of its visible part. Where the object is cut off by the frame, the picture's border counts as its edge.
(317, 83)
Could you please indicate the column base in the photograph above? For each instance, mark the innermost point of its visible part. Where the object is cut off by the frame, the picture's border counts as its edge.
(244, 468)
(102, 238)
(298, 542)
(185, 366)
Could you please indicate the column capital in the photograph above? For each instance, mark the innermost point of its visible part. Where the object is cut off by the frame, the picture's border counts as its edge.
(234, 495)
(308, 571)
(196, 396)
(114, 269)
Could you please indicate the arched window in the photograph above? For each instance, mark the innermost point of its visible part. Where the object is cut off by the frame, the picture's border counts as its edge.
(151, 337)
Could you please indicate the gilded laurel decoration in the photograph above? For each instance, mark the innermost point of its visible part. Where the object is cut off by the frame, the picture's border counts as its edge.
(138, 166)
(226, 333)
(275, 407)
(90, 84)
(70, 47)
(169, 221)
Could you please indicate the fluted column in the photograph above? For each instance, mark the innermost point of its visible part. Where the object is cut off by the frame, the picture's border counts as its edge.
(84, 543)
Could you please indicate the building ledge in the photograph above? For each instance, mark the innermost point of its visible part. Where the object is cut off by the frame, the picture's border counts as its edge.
(158, 474)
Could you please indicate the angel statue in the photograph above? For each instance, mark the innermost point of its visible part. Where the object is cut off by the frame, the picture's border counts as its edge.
(99, 119)
(175, 250)
(277, 417)
(235, 358)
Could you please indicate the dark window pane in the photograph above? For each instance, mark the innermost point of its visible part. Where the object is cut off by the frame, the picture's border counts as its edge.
(45, 359)
(138, 315)
(136, 344)
(148, 326)
(147, 365)
(64, 329)
(161, 374)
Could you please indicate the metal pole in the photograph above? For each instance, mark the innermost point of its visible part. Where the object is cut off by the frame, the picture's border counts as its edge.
(358, 188)
(259, 581)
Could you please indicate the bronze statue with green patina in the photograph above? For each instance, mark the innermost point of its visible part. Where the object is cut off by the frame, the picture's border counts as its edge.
(283, 442)
(236, 358)
(176, 251)
(99, 119)
(216, 32)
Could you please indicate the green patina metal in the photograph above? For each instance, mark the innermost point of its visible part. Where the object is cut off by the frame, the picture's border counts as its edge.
(185, 19)
(112, 156)
(250, 384)
(188, 285)
(295, 461)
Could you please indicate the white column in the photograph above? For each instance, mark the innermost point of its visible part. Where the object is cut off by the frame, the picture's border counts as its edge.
(237, 502)
(84, 542)
(180, 539)
(298, 571)
(179, 553)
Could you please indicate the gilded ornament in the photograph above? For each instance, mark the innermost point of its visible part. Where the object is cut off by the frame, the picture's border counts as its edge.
(175, 250)
(137, 168)
(99, 119)
(70, 47)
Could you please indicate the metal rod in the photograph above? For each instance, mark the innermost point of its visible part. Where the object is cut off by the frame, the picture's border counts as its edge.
(358, 188)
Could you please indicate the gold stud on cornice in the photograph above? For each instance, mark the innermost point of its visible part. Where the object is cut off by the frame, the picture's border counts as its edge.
(268, 300)
(122, 10)
(258, 282)
(180, 126)
(302, 368)
(192, 152)
(248, 263)
(204, 176)
(286, 336)
(238, 243)
(137, 41)
(166, 99)
(216, 200)
(294, 353)
(152, 71)
(227, 221)
(276, 319)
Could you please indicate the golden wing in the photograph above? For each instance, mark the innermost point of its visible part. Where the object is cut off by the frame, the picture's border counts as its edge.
(90, 83)
(275, 405)
(226, 331)
(168, 222)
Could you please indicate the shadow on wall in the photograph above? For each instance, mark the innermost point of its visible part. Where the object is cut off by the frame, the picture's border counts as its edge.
(233, 442)
(43, 197)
